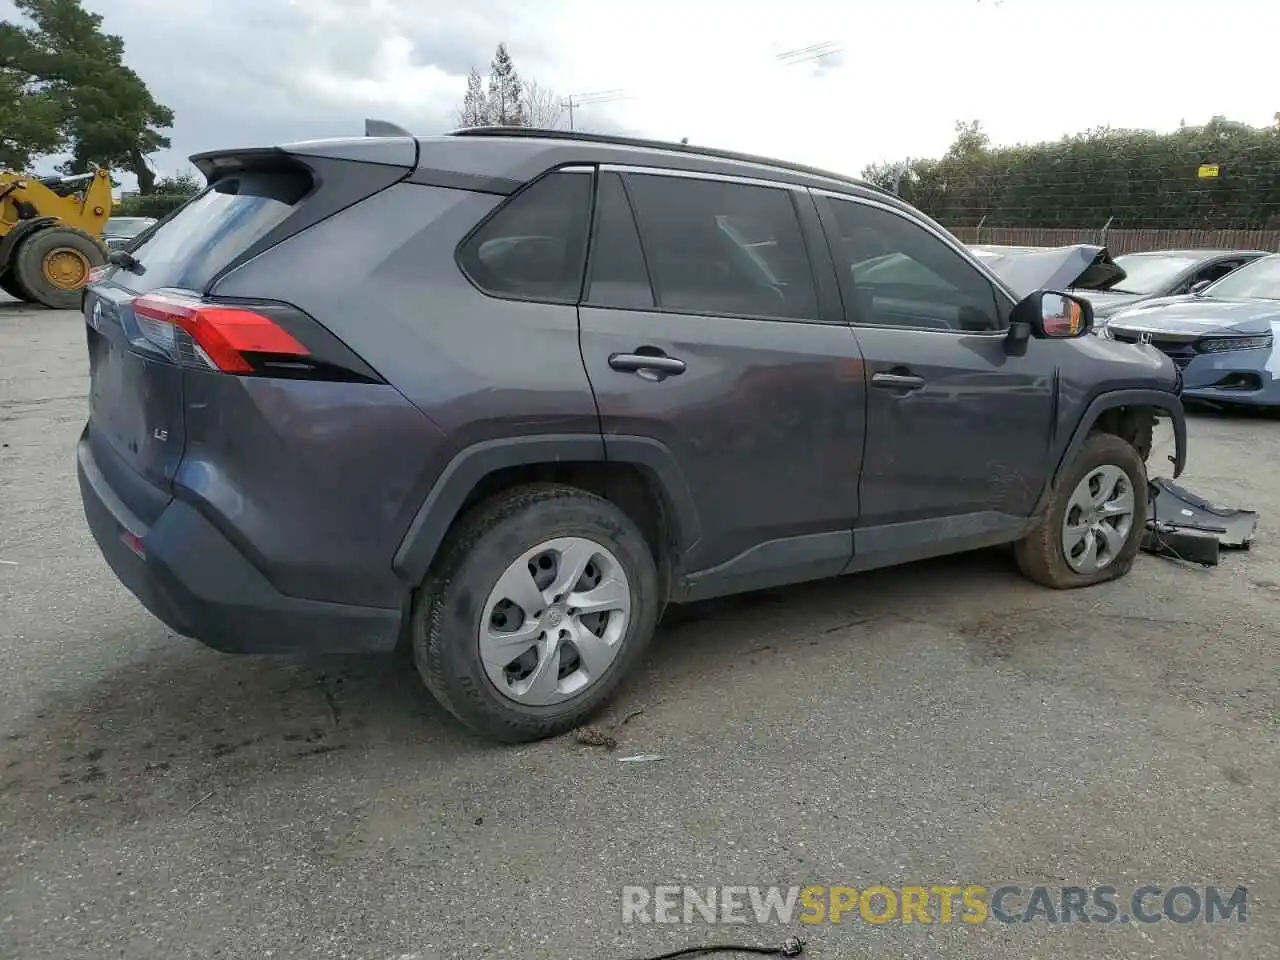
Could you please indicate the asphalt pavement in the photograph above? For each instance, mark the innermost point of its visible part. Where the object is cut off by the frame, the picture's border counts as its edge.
(943, 723)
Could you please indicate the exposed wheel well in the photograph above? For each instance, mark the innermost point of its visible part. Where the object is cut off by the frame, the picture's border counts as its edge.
(633, 489)
(1135, 425)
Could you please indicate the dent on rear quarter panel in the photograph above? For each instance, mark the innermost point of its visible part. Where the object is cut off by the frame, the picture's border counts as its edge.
(382, 276)
(326, 469)
(315, 482)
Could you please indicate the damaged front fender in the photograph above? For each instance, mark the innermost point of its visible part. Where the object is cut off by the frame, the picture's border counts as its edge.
(1103, 410)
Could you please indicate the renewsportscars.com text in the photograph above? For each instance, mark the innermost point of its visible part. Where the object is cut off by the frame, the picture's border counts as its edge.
(933, 904)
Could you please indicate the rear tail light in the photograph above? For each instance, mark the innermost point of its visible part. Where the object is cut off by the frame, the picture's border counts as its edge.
(261, 338)
(230, 339)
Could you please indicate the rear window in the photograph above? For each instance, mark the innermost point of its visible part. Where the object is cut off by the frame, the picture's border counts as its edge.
(214, 228)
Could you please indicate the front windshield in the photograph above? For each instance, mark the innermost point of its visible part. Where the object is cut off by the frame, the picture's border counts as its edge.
(1259, 280)
(1147, 273)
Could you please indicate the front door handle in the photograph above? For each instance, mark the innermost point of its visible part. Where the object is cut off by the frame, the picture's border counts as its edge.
(897, 381)
(646, 363)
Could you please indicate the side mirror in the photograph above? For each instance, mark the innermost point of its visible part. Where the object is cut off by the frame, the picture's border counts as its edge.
(1199, 287)
(1048, 315)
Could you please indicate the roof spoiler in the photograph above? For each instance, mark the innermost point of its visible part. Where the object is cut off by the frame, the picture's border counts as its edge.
(381, 128)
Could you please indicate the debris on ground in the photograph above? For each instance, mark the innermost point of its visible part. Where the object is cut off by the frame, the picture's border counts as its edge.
(595, 737)
(791, 947)
(641, 758)
(1185, 526)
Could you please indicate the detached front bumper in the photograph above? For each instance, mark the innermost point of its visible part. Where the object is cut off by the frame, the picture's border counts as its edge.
(193, 579)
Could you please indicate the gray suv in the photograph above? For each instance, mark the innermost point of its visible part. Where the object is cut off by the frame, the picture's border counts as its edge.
(505, 394)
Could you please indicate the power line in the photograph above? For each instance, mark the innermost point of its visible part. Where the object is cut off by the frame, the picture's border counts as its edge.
(813, 52)
(575, 100)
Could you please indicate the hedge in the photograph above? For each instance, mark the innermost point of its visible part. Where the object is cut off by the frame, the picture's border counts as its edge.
(151, 205)
(1220, 176)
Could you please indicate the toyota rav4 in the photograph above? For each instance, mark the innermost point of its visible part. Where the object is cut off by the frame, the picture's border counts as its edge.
(505, 394)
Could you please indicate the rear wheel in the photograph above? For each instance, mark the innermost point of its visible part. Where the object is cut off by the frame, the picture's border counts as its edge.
(54, 264)
(9, 284)
(542, 602)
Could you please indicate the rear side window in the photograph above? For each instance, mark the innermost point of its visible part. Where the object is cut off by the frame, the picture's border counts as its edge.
(618, 274)
(214, 228)
(717, 247)
(535, 246)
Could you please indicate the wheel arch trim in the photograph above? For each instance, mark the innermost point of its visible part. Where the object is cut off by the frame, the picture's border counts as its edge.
(1160, 399)
(473, 463)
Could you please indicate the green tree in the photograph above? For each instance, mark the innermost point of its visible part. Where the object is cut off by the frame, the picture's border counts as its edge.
(506, 91)
(1137, 179)
(105, 113)
(178, 185)
(29, 122)
(475, 106)
(507, 100)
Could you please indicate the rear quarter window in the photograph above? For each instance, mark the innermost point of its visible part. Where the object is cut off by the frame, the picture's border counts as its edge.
(212, 229)
(535, 246)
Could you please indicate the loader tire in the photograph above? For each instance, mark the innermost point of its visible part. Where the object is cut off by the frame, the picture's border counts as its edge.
(54, 264)
(9, 284)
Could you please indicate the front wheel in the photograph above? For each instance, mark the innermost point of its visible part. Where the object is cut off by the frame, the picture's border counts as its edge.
(1096, 518)
(542, 602)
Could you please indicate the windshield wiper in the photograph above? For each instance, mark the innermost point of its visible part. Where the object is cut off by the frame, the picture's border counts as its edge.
(126, 260)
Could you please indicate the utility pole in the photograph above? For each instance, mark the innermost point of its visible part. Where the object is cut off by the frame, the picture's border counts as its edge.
(899, 172)
(575, 100)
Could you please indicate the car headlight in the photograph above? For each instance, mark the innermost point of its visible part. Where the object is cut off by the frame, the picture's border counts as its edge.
(1222, 344)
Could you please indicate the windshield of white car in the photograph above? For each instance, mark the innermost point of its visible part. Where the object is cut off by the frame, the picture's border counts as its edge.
(1146, 273)
(1259, 280)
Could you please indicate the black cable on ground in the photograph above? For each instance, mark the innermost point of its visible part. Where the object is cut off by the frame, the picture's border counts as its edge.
(791, 947)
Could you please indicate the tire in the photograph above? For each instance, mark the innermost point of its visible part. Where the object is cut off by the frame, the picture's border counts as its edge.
(1042, 557)
(9, 284)
(485, 548)
(67, 244)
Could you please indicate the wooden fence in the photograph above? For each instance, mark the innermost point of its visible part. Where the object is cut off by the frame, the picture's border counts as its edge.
(1124, 241)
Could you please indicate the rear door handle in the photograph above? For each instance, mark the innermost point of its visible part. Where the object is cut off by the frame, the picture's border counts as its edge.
(897, 381)
(646, 363)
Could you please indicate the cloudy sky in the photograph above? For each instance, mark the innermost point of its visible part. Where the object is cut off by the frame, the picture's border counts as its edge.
(251, 72)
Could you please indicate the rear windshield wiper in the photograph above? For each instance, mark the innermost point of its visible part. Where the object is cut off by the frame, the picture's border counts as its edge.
(126, 260)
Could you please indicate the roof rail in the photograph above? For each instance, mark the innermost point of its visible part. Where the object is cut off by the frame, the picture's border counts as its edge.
(609, 139)
(381, 128)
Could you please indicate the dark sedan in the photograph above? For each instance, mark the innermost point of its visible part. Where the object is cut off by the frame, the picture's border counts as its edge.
(119, 232)
(1134, 277)
(1164, 273)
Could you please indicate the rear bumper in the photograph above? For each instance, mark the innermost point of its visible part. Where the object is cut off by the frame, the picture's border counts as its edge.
(188, 575)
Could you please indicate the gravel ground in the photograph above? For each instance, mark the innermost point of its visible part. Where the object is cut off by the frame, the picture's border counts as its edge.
(940, 723)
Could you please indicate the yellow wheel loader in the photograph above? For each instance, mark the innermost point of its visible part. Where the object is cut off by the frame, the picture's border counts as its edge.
(49, 229)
